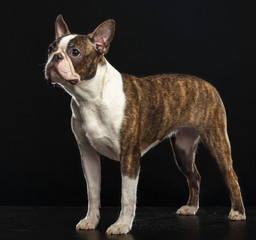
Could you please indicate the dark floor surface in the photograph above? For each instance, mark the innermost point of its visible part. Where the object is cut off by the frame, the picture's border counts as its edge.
(58, 223)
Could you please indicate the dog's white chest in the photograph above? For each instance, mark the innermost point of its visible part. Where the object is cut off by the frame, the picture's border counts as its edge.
(102, 130)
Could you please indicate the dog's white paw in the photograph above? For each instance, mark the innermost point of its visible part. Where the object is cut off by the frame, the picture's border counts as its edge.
(118, 228)
(236, 215)
(87, 224)
(187, 210)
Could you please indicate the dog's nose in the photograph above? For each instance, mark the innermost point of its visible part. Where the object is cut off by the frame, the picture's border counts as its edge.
(56, 57)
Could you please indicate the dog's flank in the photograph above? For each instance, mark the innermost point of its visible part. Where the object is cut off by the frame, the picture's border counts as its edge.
(162, 104)
(121, 116)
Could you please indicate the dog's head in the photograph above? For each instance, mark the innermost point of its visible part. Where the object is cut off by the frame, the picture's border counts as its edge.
(73, 58)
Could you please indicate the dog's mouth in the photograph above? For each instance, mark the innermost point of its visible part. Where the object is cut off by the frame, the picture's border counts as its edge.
(54, 75)
(72, 81)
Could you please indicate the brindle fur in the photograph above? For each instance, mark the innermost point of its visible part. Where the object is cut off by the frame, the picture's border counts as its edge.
(86, 65)
(158, 106)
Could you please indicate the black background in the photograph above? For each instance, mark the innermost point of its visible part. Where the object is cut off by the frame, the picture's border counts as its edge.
(40, 163)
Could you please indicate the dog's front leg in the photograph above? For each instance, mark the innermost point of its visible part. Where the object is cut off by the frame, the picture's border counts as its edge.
(124, 223)
(130, 174)
(92, 172)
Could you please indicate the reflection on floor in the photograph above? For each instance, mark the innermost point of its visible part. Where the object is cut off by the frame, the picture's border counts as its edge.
(58, 223)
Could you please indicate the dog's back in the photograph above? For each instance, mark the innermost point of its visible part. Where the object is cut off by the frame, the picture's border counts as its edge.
(167, 102)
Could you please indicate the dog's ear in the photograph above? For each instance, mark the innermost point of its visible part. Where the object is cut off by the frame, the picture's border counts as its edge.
(102, 36)
(61, 27)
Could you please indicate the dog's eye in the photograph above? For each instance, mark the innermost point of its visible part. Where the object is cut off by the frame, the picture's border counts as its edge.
(74, 52)
(50, 50)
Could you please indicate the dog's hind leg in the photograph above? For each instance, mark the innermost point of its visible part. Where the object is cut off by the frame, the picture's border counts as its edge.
(184, 144)
(217, 142)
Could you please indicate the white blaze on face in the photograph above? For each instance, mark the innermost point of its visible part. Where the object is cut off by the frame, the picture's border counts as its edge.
(63, 44)
(65, 67)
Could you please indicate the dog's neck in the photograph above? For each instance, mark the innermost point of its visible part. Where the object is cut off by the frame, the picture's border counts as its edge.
(106, 86)
(94, 88)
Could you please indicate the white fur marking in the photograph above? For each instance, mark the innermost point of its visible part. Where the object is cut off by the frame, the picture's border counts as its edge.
(102, 104)
(64, 67)
(92, 172)
(63, 44)
(124, 223)
(65, 41)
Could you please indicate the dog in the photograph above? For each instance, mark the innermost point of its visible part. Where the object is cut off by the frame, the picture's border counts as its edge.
(121, 117)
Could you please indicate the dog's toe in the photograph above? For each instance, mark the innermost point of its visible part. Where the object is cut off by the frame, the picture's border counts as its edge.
(236, 215)
(87, 224)
(187, 210)
(118, 228)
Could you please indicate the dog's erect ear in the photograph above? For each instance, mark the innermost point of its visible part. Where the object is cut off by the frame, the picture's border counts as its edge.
(61, 27)
(102, 36)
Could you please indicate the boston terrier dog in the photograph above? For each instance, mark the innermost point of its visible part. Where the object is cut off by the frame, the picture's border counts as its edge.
(121, 117)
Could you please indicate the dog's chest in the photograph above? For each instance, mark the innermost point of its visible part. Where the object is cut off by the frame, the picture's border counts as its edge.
(101, 123)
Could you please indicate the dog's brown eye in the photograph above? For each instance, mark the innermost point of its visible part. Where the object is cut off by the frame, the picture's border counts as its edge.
(74, 52)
